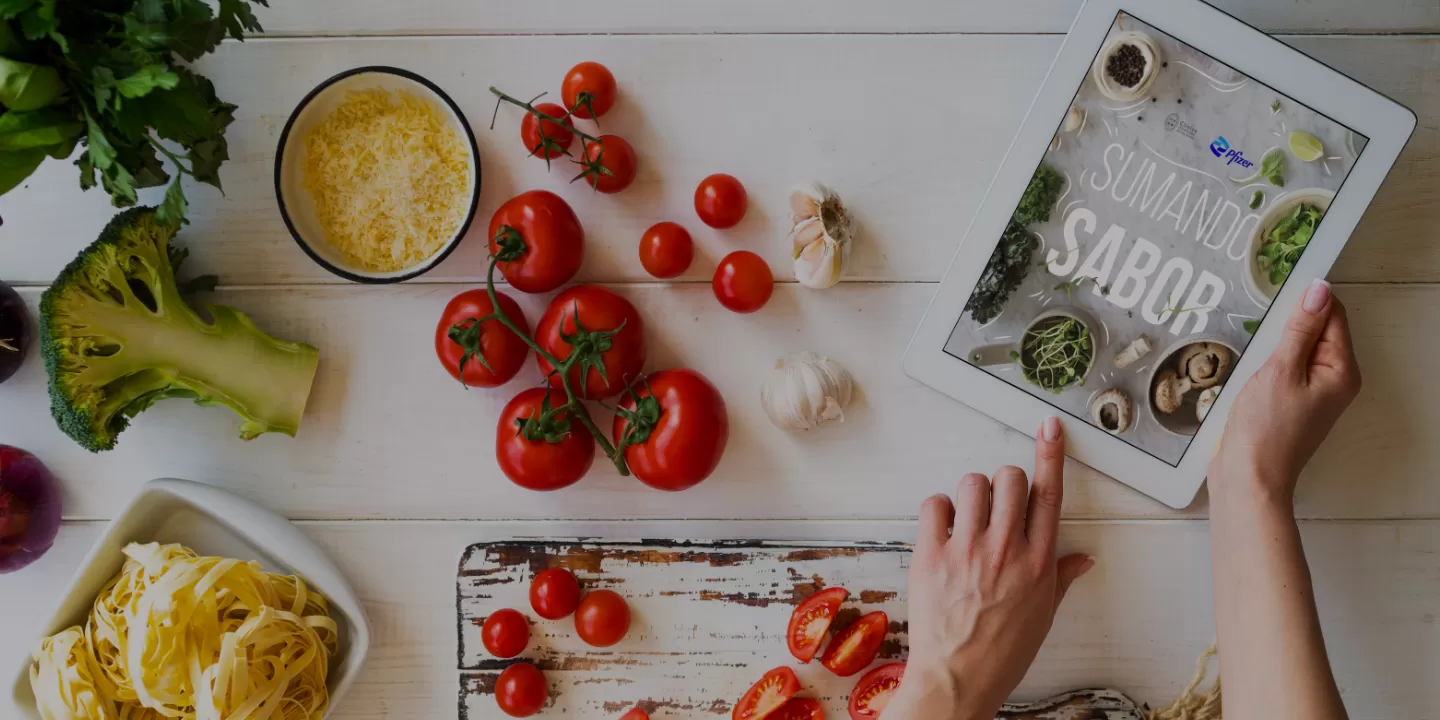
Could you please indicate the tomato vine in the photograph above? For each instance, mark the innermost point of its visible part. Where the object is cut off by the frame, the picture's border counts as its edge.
(591, 167)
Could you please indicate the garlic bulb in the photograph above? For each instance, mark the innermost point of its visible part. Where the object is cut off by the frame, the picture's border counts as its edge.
(805, 391)
(820, 235)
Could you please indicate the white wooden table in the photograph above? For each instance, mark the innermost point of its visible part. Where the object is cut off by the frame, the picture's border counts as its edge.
(392, 472)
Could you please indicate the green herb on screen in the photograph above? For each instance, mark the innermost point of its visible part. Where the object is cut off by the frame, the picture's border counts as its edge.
(1056, 353)
(1040, 196)
(1008, 265)
(1257, 199)
(1287, 240)
(1272, 167)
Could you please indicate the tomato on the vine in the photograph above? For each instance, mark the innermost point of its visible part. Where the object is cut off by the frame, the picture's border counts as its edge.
(857, 645)
(673, 426)
(720, 201)
(666, 250)
(538, 241)
(556, 137)
(485, 354)
(505, 633)
(588, 90)
(603, 618)
(554, 593)
(521, 690)
(607, 332)
(811, 620)
(874, 691)
(743, 282)
(539, 452)
(767, 695)
(799, 709)
(609, 164)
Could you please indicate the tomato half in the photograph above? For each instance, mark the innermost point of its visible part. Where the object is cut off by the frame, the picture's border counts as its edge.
(521, 690)
(799, 709)
(538, 456)
(743, 282)
(554, 593)
(666, 250)
(602, 619)
(874, 691)
(557, 138)
(505, 633)
(675, 428)
(768, 695)
(616, 160)
(635, 713)
(811, 620)
(461, 344)
(857, 645)
(720, 201)
(589, 89)
(584, 319)
(545, 239)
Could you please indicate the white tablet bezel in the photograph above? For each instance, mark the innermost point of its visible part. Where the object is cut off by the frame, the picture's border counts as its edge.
(1384, 122)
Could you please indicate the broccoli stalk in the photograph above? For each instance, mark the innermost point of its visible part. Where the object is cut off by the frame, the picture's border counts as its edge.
(117, 336)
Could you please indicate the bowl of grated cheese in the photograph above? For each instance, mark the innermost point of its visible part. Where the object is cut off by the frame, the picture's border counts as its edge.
(377, 175)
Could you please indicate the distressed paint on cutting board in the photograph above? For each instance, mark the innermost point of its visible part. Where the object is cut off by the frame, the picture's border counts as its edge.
(707, 620)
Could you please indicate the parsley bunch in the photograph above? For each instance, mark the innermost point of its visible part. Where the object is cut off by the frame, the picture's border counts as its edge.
(112, 75)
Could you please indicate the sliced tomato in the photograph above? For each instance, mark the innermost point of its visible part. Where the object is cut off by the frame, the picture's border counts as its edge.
(874, 691)
(765, 697)
(810, 621)
(857, 645)
(799, 709)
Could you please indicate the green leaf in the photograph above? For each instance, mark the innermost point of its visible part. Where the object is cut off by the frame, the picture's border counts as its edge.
(11, 8)
(235, 17)
(28, 87)
(172, 210)
(38, 21)
(1272, 167)
(146, 79)
(17, 165)
(9, 42)
(36, 128)
(102, 153)
(87, 171)
(1251, 326)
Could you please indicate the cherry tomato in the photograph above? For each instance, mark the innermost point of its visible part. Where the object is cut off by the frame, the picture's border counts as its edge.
(521, 690)
(589, 89)
(799, 709)
(617, 158)
(874, 691)
(584, 314)
(505, 633)
(552, 239)
(857, 645)
(554, 593)
(811, 620)
(766, 696)
(557, 137)
(602, 619)
(542, 456)
(666, 250)
(461, 345)
(743, 282)
(720, 201)
(635, 713)
(679, 431)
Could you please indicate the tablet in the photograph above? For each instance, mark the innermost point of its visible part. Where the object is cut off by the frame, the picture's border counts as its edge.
(1180, 175)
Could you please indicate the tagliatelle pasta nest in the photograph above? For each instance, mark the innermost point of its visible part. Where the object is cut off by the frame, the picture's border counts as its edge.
(176, 635)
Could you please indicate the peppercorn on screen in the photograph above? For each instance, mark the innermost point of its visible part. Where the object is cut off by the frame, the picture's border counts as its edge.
(1175, 198)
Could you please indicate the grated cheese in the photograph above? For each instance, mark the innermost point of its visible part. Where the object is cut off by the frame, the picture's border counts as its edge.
(389, 177)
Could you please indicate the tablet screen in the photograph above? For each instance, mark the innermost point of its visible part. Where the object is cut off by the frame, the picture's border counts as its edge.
(1175, 198)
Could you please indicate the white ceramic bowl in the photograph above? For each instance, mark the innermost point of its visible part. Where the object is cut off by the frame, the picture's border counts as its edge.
(297, 208)
(211, 521)
(1182, 422)
(1257, 280)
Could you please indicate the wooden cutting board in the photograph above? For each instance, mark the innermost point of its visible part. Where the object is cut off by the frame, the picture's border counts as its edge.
(708, 619)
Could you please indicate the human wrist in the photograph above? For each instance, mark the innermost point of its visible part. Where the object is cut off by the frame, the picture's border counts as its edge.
(929, 692)
(1251, 485)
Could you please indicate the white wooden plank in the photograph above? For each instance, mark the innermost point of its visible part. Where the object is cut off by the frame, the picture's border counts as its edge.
(772, 110)
(388, 434)
(334, 17)
(1136, 622)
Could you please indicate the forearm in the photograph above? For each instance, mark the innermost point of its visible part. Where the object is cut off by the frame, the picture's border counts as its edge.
(1272, 652)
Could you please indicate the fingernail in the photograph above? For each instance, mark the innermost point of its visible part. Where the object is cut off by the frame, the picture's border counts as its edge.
(1316, 296)
(1051, 428)
(1085, 566)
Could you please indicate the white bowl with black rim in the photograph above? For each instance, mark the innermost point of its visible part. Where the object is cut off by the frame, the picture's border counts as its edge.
(297, 207)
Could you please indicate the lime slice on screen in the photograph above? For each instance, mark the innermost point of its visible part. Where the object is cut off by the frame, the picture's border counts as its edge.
(1305, 146)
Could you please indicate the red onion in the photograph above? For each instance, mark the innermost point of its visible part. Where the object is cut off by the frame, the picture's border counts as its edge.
(29, 509)
(14, 332)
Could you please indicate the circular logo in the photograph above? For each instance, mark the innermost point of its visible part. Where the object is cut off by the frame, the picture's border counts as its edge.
(1172, 122)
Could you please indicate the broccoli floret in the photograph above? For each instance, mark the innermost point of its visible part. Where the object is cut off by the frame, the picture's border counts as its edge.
(117, 336)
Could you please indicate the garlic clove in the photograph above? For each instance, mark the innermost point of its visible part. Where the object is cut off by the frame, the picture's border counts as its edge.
(804, 235)
(820, 264)
(1073, 117)
(804, 205)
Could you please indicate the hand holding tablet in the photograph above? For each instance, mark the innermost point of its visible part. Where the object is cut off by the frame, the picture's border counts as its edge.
(1122, 265)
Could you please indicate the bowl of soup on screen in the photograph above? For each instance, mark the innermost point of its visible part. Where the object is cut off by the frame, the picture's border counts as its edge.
(377, 175)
